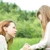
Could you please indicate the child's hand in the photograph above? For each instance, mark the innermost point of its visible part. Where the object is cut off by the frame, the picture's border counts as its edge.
(29, 48)
(25, 47)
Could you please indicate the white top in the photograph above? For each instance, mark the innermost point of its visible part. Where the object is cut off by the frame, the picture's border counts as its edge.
(3, 44)
(45, 41)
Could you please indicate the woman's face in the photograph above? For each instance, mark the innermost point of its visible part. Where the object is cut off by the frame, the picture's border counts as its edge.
(40, 17)
(11, 29)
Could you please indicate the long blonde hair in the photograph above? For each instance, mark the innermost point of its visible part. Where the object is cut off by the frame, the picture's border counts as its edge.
(45, 12)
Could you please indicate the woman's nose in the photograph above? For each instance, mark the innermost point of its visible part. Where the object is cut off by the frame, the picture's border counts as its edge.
(16, 30)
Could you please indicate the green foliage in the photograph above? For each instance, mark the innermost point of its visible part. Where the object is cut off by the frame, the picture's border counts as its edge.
(29, 29)
(27, 23)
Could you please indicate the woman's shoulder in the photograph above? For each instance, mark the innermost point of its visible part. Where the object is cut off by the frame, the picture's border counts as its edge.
(2, 38)
(3, 44)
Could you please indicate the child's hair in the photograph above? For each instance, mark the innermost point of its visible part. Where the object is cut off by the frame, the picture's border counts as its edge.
(45, 12)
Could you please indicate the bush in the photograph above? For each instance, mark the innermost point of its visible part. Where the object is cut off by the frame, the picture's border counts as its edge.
(28, 29)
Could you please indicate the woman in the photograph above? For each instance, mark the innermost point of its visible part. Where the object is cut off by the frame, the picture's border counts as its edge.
(44, 17)
(7, 33)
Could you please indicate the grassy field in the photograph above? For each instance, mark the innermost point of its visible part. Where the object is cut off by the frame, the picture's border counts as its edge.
(19, 42)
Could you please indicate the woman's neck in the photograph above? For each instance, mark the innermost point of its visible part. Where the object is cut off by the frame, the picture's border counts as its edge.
(8, 37)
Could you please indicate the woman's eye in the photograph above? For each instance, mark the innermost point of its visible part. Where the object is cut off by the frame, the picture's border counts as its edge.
(13, 27)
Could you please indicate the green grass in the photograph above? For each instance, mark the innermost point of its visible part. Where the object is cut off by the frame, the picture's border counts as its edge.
(19, 42)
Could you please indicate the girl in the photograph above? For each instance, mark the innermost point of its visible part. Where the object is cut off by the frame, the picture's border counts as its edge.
(44, 17)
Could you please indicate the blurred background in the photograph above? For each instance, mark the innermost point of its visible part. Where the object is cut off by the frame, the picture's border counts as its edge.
(23, 13)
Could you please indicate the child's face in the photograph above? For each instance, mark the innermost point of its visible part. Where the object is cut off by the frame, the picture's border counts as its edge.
(11, 30)
(40, 17)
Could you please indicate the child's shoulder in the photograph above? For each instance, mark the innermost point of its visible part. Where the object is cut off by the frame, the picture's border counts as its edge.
(48, 25)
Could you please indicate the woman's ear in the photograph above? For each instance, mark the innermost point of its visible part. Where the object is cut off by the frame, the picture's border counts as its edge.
(5, 29)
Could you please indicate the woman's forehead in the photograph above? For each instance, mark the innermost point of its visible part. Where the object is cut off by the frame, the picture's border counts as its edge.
(11, 24)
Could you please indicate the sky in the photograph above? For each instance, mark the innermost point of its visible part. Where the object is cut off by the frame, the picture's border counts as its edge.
(30, 5)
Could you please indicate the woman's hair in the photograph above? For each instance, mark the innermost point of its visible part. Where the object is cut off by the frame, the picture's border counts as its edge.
(5, 23)
(45, 12)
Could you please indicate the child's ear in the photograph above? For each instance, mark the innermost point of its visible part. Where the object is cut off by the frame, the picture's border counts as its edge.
(5, 29)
